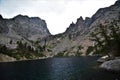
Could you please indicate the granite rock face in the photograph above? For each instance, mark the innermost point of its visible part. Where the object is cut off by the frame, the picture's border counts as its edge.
(112, 65)
(31, 28)
(79, 33)
(22, 28)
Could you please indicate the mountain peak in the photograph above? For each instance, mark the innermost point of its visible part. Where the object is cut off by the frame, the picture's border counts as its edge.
(72, 24)
(80, 19)
(25, 17)
(21, 17)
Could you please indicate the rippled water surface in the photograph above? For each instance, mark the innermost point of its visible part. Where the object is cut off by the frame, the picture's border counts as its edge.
(71, 68)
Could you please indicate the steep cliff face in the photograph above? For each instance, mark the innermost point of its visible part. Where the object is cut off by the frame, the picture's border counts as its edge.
(22, 28)
(31, 28)
(3, 27)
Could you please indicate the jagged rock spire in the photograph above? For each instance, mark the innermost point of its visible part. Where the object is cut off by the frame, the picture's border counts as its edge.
(80, 19)
(72, 24)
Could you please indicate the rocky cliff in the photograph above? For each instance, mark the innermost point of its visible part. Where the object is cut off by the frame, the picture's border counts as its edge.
(77, 34)
(22, 28)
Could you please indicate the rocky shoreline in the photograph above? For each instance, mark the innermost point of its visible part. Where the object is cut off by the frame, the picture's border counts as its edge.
(6, 58)
(109, 64)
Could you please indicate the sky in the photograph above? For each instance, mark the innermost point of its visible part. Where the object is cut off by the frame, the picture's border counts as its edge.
(58, 14)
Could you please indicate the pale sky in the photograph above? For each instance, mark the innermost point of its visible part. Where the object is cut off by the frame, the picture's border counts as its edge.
(58, 14)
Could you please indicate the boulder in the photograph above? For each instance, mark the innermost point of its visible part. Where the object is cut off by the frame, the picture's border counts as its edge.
(103, 59)
(112, 65)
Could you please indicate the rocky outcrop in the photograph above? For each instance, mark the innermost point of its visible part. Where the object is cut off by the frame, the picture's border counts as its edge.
(103, 59)
(112, 65)
(6, 58)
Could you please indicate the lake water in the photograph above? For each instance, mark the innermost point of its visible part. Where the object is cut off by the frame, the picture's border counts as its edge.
(71, 68)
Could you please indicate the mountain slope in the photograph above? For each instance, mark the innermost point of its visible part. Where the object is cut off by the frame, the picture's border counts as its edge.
(78, 34)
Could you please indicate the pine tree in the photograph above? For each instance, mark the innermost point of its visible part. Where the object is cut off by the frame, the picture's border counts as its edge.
(107, 39)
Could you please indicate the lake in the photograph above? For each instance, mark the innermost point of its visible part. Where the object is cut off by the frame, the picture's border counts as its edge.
(67, 68)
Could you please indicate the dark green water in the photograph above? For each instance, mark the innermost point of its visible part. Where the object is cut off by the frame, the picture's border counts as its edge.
(72, 68)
